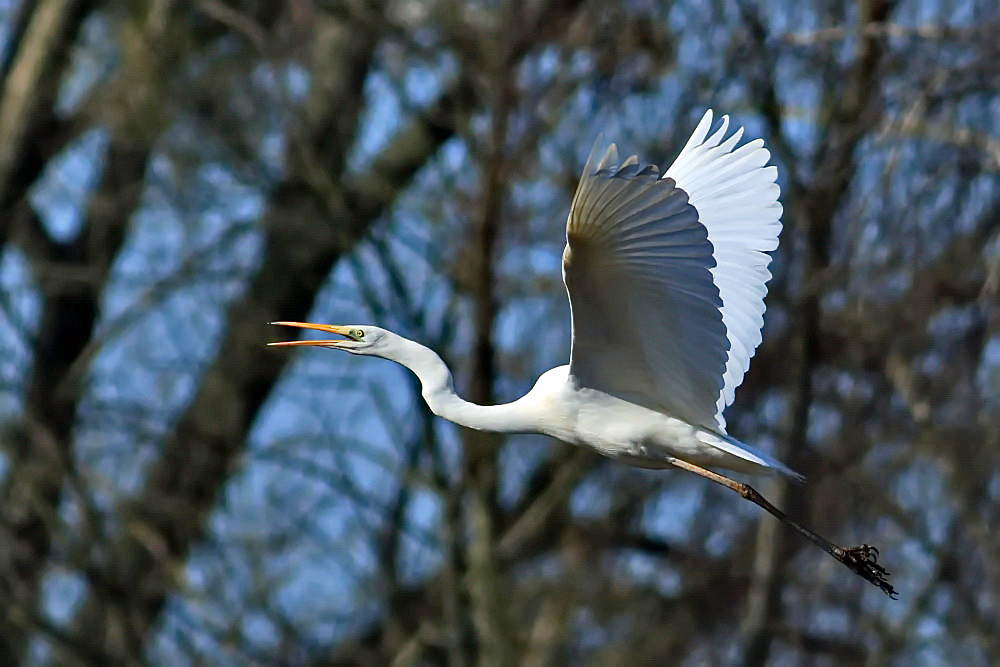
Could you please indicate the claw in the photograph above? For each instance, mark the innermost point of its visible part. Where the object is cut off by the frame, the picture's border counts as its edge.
(863, 561)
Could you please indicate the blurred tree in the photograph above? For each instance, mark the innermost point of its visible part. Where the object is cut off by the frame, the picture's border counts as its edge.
(177, 173)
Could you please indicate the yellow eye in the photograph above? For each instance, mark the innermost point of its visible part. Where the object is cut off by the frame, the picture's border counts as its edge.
(358, 333)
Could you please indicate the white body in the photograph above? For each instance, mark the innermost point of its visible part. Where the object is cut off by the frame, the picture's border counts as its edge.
(558, 407)
(623, 430)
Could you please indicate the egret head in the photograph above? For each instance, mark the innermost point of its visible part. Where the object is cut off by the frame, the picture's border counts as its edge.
(357, 338)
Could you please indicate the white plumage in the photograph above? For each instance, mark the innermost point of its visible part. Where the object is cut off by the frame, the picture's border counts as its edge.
(666, 276)
(666, 279)
(737, 200)
(678, 263)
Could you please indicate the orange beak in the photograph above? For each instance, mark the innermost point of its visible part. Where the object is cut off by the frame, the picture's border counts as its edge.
(329, 328)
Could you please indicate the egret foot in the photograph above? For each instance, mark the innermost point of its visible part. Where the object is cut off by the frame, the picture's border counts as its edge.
(863, 561)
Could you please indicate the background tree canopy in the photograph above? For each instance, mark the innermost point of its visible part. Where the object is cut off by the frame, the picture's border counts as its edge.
(176, 173)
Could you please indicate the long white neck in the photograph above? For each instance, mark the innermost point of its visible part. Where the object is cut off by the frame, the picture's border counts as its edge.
(438, 391)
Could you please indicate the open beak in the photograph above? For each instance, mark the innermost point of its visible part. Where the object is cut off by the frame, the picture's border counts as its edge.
(329, 328)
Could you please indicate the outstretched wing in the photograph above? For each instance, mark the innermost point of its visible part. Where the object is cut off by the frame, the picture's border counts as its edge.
(651, 297)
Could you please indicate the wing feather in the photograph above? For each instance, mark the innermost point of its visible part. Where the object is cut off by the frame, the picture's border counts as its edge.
(636, 267)
(665, 275)
(737, 201)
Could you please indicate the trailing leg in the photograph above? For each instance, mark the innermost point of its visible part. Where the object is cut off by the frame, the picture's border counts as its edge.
(862, 560)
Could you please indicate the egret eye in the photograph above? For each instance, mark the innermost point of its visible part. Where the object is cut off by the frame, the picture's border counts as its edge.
(358, 333)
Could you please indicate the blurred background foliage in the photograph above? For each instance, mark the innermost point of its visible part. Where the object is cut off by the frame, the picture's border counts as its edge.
(176, 173)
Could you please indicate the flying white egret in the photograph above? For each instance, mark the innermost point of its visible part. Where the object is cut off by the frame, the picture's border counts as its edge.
(666, 279)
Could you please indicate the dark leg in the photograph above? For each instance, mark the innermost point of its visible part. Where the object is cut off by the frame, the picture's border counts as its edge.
(862, 560)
